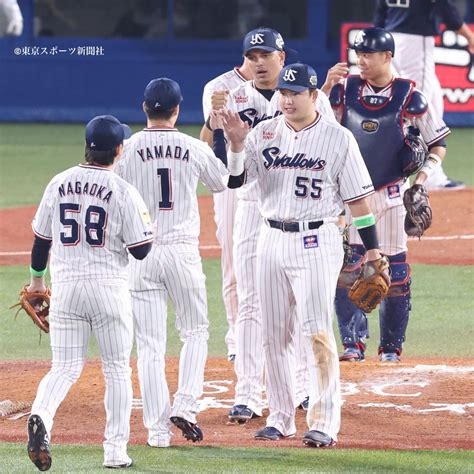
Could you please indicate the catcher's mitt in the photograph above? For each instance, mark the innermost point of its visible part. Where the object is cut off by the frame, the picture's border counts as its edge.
(347, 248)
(414, 152)
(371, 285)
(36, 304)
(419, 215)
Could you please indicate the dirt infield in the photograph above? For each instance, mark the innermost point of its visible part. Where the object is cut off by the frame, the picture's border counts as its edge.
(449, 241)
(417, 404)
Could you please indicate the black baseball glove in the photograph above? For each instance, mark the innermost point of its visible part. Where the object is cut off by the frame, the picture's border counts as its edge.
(419, 215)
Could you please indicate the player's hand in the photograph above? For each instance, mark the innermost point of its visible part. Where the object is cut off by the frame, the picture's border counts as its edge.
(219, 99)
(335, 74)
(235, 128)
(216, 120)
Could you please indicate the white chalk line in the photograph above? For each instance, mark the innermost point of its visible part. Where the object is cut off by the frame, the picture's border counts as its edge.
(20, 253)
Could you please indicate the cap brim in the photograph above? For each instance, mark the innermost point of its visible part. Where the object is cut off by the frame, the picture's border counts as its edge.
(261, 48)
(293, 88)
(127, 131)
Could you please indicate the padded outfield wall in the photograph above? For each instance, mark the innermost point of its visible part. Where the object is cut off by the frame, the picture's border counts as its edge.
(67, 78)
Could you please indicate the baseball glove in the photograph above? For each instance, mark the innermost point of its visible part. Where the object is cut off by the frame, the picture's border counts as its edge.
(348, 252)
(36, 305)
(371, 285)
(419, 215)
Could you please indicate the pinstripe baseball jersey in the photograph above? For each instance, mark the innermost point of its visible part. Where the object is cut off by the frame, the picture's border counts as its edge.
(82, 211)
(254, 108)
(307, 174)
(227, 81)
(165, 165)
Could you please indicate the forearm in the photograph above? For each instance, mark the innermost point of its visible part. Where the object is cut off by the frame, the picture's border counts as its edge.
(206, 135)
(433, 161)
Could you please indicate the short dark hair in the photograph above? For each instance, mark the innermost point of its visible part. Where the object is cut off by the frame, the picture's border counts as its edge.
(105, 158)
(154, 114)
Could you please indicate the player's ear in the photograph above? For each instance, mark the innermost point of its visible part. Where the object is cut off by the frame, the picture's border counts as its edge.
(144, 107)
(314, 94)
(282, 55)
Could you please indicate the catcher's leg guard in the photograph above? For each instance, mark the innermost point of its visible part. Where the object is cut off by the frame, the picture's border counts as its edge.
(395, 308)
(352, 321)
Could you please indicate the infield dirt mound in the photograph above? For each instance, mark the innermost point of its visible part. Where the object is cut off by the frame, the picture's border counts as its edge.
(417, 404)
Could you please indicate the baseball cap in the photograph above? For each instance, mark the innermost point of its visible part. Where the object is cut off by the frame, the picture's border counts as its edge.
(263, 38)
(297, 77)
(105, 132)
(162, 94)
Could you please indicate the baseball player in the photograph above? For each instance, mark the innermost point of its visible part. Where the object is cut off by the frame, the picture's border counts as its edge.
(306, 167)
(11, 19)
(225, 203)
(255, 101)
(165, 166)
(413, 25)
(378, 107)
(89, 217)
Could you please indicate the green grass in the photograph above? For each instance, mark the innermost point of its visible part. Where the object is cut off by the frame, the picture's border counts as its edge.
(31, 154)
(72, 459)
(441, 313)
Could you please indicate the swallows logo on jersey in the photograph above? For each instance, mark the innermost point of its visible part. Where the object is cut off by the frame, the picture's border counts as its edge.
(257, 38)
(370, 125)
(273, 159)
(251, 117)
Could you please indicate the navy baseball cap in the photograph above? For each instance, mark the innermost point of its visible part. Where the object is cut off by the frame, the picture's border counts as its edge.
(105, 132)
(297, 77)
(263, 38)
(162, 94)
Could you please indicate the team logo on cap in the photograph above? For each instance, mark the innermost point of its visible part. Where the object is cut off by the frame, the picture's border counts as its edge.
(279, 41)
(257, 38)
(289, 75)
(359, 39)
(313, 80)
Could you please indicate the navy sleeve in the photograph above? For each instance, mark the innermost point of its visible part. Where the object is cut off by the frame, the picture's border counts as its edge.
(40, 253)
(141, 251)
(449, 13)
(219, 145)
(380, 13)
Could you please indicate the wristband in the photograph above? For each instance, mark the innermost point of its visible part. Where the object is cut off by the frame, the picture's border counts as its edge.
(208, 124)
(430, 165)
(38, 274)
(368, 235)
(364, 221)
(235, 162)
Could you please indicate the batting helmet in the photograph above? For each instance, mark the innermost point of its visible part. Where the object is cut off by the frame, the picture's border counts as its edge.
(374, 40)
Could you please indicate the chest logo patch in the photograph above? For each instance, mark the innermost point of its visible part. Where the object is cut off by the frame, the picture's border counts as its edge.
(310, 241)
(268, 135)
(393, 191)
(370, 126)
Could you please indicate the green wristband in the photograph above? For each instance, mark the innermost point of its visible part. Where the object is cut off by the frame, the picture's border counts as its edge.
(38, 274)
(364, 221)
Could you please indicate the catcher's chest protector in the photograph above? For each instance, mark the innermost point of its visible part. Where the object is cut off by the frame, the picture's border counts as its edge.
(377, 125)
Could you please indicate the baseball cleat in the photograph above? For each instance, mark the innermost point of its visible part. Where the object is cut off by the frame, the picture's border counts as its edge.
(304, 404)
(38, 443)
(231, 357)
(241, 414)
(122, 465)
(352, 354)
(191, 431)
(269, 433)
(389, 357)
(317, 439)
(448, 185)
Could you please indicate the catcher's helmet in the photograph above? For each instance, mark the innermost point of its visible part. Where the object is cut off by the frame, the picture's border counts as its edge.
(374, 40)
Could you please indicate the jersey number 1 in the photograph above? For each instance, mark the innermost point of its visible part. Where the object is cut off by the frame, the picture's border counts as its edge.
(96, 221)
(166, 189)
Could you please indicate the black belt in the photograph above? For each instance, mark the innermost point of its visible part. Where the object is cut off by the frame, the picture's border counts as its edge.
(294, 226)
